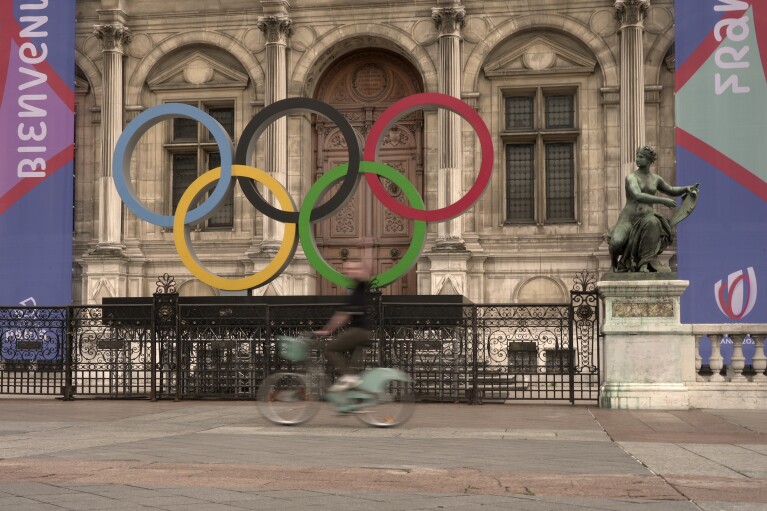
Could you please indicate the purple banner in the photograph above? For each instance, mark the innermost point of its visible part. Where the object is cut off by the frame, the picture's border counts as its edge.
(721, 117)
(37, 49)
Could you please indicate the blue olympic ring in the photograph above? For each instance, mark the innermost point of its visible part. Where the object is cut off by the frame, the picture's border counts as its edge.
(127, 143)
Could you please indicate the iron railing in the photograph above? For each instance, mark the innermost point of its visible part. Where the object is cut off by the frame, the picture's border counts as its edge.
(167, 349)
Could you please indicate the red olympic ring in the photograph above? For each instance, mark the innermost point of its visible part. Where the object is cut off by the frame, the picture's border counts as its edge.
(416, 102)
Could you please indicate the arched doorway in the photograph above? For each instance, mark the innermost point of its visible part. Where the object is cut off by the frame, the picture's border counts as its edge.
(362, 85)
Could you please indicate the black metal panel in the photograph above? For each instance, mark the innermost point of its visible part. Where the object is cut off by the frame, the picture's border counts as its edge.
(32, 350)
(111, 351)
(586, 332)
(520, 349)
(430, 344)
(222, 350)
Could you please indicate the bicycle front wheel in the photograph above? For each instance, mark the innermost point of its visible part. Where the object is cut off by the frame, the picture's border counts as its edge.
(287, 398)
(395, 406)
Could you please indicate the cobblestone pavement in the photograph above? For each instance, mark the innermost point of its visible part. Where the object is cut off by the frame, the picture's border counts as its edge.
(222, 456)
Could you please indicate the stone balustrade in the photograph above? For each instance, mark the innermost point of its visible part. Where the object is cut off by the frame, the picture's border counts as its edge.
(730, 366)
(730, 353)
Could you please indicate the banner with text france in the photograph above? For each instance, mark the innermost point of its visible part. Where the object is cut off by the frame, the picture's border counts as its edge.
(37, 50)
(721, 118)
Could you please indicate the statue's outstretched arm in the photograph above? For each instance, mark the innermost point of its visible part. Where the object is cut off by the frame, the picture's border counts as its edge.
(676, 191)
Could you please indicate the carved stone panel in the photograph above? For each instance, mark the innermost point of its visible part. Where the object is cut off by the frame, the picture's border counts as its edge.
(643, 310)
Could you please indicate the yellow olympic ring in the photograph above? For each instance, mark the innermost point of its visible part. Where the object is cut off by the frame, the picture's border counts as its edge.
(183, 242)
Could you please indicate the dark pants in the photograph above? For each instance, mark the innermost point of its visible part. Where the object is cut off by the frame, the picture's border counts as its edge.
(352, 339)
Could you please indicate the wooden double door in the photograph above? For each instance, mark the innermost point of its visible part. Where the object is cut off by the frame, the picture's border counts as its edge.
(361, 86)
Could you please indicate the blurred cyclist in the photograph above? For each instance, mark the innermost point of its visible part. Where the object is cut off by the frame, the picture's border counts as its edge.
(352, 339)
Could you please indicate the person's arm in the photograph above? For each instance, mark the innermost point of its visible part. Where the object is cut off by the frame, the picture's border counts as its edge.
(336, 321)
(635, 191)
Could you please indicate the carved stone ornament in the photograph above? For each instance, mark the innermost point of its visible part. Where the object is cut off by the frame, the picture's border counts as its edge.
(345, 223)
(395, 138)
(113, 36)
(369, 80)
(276, 28)
(449, 20)
(643, 310)
(631, 12)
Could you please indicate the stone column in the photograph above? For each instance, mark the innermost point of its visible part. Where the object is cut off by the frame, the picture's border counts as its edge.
(114, 37)
(277, 28)
(449, 21)
(631, 14)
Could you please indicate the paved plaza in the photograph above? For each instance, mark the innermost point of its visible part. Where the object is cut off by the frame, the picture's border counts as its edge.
(223, 456)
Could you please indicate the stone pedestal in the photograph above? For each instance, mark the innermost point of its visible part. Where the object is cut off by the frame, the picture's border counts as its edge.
(648, 355)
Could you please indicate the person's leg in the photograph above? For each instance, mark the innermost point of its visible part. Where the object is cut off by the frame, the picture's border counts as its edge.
(345, 342)
(350, 340)
(358, 352)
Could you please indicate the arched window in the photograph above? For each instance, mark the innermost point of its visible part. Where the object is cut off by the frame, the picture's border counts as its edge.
(213, 81)
(541, 81)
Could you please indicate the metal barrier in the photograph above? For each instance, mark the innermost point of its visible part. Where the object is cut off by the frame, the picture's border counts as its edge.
(33, 349)
(453, 351)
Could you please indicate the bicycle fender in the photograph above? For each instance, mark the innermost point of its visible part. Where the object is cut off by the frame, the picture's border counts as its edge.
(375, 380)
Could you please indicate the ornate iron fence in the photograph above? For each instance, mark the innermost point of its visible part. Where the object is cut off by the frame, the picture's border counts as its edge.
(110, 351)
(165, 349)
(33, 350)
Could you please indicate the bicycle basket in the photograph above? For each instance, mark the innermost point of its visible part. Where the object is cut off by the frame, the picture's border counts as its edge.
(293, 349)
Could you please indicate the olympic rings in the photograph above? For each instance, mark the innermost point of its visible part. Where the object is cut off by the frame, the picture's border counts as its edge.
(416, 102)
(127, 143)
(298, 223)
(181, 231)
(307, 238)
(258, 125)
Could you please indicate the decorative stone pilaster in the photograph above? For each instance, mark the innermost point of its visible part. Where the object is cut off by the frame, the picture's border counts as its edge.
(631, 15)
(449, 22)
(114, 37)
(278, 29)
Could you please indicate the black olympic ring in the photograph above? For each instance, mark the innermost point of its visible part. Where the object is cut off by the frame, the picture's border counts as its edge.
(258, 125)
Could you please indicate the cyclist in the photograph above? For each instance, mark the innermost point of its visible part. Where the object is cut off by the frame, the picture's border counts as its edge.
(352, 339)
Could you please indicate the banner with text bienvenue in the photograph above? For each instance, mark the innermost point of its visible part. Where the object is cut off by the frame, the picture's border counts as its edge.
(721, 116)
(37, 50)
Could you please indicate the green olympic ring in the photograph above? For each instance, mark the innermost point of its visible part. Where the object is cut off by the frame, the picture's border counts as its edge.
(307, 238)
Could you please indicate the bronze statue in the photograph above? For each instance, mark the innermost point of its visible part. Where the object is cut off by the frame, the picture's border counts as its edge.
(641, 234)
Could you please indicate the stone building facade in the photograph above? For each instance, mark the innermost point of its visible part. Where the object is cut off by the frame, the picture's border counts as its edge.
(569, 90)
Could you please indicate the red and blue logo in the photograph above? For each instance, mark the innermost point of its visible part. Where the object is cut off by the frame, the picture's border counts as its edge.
(737, 297)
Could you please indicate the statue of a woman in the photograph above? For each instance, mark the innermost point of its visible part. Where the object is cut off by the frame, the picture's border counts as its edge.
(641, 234)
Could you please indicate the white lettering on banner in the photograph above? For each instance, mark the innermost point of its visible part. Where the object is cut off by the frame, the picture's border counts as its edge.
(28, 302)
(37, 22)
(735, 30)
(42, 5)
(731, 5)
(32, 53)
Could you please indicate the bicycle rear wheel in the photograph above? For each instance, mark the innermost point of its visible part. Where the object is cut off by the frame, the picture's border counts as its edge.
(288, 398)
(395, 406)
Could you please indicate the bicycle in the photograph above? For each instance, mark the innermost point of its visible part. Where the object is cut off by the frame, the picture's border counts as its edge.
(384, 398)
